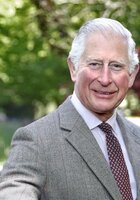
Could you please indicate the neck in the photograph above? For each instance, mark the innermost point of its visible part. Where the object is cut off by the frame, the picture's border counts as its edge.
(104, 116)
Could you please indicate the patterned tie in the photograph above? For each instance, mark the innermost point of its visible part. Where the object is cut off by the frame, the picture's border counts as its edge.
(117, 162)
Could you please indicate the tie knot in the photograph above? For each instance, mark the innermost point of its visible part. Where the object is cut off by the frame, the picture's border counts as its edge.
(105, 127)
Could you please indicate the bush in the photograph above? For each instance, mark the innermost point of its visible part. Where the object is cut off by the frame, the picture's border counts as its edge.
(7, 130)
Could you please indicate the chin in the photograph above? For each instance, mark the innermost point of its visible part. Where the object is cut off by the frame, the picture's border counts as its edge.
(105, 110)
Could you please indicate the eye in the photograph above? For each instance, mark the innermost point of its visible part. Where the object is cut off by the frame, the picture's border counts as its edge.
(116, 66)
(95, 65)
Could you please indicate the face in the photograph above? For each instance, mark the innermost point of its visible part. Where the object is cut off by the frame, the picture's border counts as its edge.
(102, 79)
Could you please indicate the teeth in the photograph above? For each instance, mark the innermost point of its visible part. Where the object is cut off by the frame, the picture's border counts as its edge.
(106, 93)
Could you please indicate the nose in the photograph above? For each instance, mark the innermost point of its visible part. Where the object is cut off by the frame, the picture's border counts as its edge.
(105, 76)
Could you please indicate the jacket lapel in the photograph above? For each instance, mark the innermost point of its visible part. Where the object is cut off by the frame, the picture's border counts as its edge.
(81, 138)
(132, 141)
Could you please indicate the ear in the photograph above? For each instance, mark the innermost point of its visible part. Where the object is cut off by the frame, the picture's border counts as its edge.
(133, 75)
(72, 69)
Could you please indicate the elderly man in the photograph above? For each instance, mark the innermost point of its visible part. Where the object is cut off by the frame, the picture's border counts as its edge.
(84, 150)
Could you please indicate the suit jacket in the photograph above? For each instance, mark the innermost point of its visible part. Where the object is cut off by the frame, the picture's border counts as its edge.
(58, 158)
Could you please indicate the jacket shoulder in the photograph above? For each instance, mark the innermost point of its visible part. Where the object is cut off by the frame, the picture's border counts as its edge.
(129, 126)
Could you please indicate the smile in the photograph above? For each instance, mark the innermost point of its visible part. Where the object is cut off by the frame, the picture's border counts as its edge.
(104, 92)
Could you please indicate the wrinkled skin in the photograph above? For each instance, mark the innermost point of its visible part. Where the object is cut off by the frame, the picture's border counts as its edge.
(102, 79)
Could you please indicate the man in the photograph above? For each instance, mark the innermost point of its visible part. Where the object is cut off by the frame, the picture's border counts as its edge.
(66, 154)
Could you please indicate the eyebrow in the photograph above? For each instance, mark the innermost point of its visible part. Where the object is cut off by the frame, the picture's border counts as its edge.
(122, 62)
(94, 59)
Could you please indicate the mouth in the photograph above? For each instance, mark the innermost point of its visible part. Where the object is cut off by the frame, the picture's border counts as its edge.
(104, 92)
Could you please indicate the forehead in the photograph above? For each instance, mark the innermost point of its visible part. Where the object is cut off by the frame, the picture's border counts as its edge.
(108, 36)
(106, 45)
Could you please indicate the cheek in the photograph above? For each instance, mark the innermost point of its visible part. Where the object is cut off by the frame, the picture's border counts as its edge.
(123, 82)
(83, 82)
(84, 78)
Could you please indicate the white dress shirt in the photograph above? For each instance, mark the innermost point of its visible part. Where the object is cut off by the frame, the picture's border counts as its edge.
(92, 122)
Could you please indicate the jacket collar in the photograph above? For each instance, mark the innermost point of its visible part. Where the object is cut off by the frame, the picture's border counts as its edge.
(80, 137)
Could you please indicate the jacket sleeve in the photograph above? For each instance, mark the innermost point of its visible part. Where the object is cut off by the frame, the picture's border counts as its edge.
(24, 174)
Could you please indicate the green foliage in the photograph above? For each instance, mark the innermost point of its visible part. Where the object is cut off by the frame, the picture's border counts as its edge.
(6, 132)
(35, 38)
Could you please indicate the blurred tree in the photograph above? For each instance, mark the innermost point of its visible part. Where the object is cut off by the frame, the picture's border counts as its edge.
(35, 37)
(136, 86)
(28, 72)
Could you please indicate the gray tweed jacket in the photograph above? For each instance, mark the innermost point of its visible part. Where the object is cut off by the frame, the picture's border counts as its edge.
(57, 158)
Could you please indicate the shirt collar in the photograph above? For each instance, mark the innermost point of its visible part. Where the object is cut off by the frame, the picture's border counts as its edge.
(91, 120)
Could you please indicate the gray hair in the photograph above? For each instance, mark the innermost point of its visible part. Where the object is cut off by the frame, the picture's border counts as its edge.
(103, 25)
